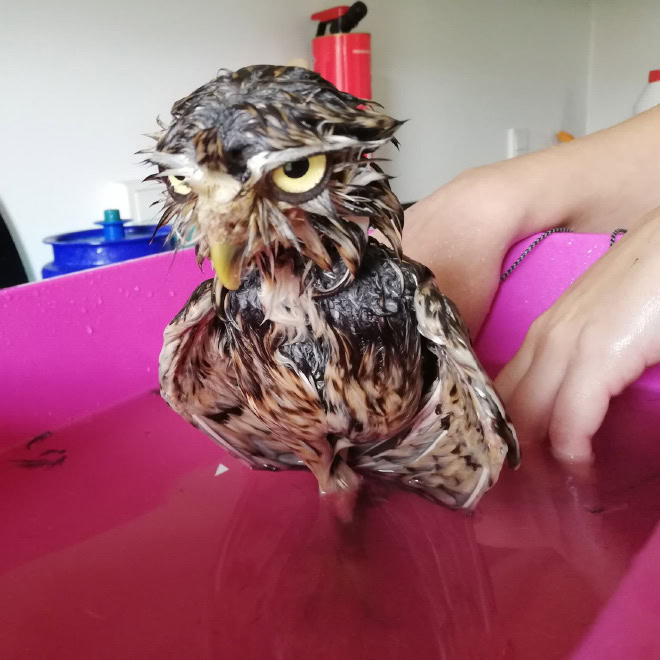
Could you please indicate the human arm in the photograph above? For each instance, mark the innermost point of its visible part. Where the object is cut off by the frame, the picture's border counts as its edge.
(594, 184)
(601, 334)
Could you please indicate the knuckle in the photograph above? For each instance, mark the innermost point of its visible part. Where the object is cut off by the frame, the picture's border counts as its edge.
(591, 343)
(535, 330)
(546, 334)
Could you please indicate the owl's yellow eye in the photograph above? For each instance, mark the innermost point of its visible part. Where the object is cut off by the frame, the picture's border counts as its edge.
(301, 176)
(178, 186)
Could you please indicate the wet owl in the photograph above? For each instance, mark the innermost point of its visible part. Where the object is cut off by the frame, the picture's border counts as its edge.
(315, 345)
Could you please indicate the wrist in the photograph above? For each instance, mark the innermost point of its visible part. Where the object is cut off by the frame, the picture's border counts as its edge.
(547, 189)
(596, 183)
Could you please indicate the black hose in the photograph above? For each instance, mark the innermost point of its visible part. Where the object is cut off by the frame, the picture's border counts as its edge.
(352, 17)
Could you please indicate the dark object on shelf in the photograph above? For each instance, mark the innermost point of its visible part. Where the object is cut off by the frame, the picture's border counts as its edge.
(12, 271)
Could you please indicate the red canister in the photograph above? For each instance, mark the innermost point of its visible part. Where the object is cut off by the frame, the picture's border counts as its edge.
(341, 56)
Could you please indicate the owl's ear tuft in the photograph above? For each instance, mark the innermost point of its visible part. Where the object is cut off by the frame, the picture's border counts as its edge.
(370, 127)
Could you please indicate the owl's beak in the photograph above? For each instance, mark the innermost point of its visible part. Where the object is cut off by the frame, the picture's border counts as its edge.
(226, 260)
(221, 211)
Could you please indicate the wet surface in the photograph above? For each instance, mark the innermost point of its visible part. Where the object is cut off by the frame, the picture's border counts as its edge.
(133, 548)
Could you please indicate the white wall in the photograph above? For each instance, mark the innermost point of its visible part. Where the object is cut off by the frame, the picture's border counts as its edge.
(625, 47)
(465, 71)
(81, 80)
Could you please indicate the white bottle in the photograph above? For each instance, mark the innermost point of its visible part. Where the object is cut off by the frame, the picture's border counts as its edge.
(651, 95)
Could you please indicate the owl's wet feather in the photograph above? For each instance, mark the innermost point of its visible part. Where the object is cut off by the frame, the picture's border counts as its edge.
(380, 380)
(335, 353)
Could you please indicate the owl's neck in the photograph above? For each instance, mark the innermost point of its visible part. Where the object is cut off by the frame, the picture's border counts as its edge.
(283, 295)
(289, 291)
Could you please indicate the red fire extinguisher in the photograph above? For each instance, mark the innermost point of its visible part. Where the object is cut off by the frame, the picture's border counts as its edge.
(341, 56)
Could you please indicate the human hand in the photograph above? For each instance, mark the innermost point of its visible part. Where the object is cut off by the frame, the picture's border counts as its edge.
(594, 341)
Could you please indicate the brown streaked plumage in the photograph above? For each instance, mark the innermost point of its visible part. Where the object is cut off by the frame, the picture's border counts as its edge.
(316, 346)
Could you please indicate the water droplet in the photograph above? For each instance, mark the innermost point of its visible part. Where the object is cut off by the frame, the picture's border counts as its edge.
(99, 300)
(136, 288)
(89, 329)
(121, 290)
(171, 293)
(149, 294)
(148, 370)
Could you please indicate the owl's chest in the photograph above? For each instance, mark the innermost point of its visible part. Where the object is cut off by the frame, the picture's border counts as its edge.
(347, 364)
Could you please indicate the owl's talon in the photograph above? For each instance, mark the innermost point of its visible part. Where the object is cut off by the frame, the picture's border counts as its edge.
(342, 504)
(340, 491)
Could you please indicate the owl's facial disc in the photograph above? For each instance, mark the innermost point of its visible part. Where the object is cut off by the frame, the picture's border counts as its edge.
(266, 160)
(224, 207)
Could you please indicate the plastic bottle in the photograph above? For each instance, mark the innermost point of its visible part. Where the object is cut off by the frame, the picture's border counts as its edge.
(651, 95)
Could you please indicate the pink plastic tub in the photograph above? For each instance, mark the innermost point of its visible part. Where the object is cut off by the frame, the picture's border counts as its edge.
(128, 534)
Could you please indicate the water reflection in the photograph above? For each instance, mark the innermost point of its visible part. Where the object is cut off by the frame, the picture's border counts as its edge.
(524, 577)
(406, 579)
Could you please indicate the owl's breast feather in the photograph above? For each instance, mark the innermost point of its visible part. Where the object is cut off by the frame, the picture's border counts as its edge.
(360, 350)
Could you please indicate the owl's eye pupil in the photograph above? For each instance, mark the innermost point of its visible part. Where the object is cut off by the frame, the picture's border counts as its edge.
(179, 178)
(297, 169)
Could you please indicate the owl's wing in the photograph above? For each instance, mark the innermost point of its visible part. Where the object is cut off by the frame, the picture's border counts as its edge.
(456, 446)
(197, 381)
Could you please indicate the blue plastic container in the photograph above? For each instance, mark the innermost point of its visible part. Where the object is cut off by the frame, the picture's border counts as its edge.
(80, 250)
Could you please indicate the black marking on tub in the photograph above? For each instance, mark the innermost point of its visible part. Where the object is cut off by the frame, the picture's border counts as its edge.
(38, 438)
(32, 463)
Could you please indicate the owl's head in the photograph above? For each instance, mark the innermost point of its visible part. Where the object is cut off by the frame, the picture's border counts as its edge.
(267, 159)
